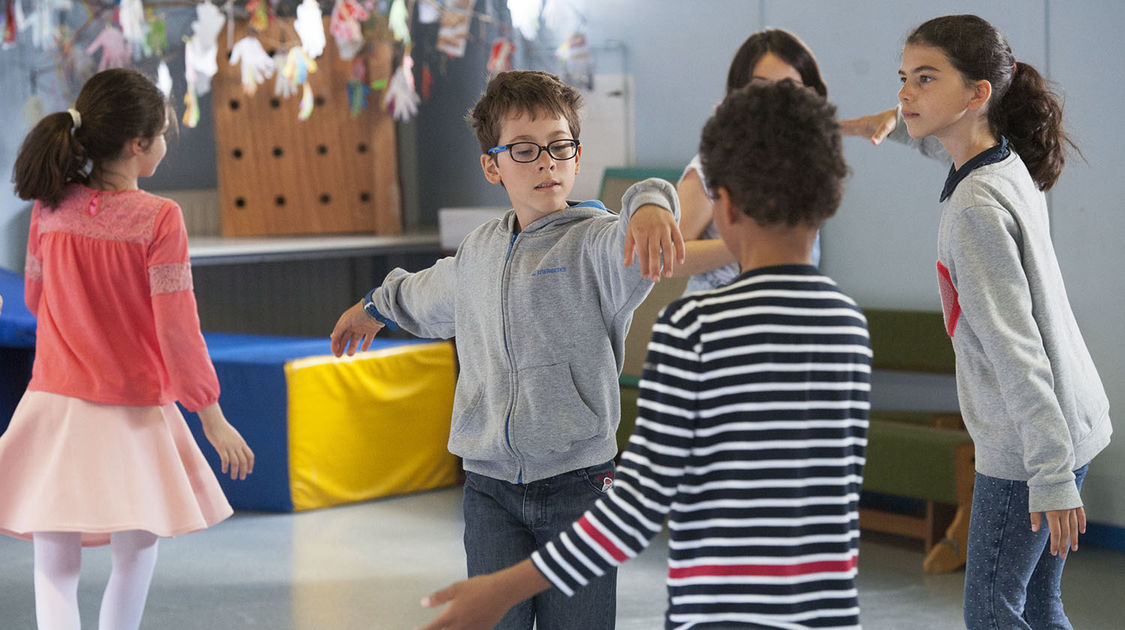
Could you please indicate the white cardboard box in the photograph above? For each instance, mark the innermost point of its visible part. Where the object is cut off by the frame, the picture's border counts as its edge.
(455, 223)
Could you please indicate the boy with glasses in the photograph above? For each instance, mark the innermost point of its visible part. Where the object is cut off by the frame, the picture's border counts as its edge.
(540, 301)
(752, 426)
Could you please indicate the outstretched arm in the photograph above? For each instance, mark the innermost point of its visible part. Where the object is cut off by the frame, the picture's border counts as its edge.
(354, 331)
(653, 233)
(479, 603)
(888, 124)
(875, 127)
(700, 255)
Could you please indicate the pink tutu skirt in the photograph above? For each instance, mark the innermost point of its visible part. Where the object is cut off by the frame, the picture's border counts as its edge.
(70, 465)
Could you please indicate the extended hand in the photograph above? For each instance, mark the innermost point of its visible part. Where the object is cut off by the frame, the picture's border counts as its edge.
(652, 231)
(355, 330)
(875, 127)
(1065, 525)
(475, 603)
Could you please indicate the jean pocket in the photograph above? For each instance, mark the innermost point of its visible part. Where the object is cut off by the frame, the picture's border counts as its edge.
(550, 415)
(599, 478)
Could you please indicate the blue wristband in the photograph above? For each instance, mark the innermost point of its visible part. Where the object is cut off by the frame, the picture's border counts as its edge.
(369, 307)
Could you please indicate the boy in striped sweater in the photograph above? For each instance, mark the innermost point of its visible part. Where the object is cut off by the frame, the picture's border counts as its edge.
(753, 408)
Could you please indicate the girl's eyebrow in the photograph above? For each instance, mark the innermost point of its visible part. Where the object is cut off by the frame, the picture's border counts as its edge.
(920, 69)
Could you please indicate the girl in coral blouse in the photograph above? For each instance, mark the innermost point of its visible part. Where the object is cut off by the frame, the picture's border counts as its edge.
(97, 451)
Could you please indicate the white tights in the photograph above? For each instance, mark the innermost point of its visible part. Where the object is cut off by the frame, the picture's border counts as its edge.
(58, 560)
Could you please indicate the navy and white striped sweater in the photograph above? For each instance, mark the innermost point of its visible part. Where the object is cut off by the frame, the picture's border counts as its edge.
(750, 440)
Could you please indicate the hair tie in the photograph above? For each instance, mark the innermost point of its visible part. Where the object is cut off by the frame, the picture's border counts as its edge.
(75, 117)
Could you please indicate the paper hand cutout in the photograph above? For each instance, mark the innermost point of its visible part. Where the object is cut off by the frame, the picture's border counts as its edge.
(401, 99)
(115, 52)
(310, 28)
(256, 64)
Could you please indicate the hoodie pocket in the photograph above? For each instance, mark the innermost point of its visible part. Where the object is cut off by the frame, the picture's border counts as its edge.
(476, 433)
(550, 415)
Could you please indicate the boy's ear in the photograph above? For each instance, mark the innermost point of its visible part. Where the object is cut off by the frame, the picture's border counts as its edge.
(724, 207)
(982, 92)
(491, 168)
(577, 159)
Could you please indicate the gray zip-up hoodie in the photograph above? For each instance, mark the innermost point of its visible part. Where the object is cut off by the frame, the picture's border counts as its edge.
(1030, 395)
(540, 317)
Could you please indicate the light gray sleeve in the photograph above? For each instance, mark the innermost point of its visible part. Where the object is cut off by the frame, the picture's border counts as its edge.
(928, 146)
(994, 295)
(621, 284)
(421, 303)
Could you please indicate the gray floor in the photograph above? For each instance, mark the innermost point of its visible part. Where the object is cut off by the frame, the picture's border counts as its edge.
(366, 566)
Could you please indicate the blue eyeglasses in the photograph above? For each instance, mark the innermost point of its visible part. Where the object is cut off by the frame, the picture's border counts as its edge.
(525, 152)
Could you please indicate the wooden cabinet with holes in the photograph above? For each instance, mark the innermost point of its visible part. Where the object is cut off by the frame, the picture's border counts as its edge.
(331, 173)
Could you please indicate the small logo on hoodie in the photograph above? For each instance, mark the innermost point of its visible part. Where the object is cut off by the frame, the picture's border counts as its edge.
(543, 272)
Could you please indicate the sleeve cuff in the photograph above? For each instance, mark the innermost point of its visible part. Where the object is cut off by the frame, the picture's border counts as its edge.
(369, 307)
(653, 191)
(1059, 496)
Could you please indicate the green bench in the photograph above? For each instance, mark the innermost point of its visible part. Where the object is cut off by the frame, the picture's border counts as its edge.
(927, 457)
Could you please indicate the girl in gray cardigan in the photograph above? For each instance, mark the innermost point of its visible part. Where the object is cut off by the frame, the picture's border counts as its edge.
(1029, 392)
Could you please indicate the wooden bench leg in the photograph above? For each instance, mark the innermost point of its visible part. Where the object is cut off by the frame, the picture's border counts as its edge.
(949, 553)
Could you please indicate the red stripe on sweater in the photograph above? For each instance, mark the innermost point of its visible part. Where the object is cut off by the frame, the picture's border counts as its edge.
(825, 566)
(602, 540)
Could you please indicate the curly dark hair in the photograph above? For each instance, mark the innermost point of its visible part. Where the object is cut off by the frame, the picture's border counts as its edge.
(519, 92)
(776, 149)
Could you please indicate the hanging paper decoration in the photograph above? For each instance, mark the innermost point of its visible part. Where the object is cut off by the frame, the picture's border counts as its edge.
(298, 67)
(156, 42)
(401, 99)
(558, 15)
(282, 86)
(357, 96)
(204, 47)
(34, 110)
(501, 58)
(191, 107)
(578, 65)
(305, 109)
(398, 19)
(525, 16)
(115, 52)
(41, 23)
(454, 31)
(11, 26)
(260, 16)
(164, 79)
(345, 27)
(427, 81)
(255, 63)
(310, 28)
(429, 11)
(191, 97)
(134, 27)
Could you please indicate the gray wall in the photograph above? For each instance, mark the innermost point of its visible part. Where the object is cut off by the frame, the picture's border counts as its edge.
(881, 246)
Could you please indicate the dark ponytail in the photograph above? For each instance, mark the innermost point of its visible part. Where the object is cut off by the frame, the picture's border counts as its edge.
(1024, 108)
(49, 159)
(1030, 115)
(114, 106)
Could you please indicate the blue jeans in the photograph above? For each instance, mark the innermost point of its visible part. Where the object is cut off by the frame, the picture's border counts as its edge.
(506, 522)
(1011, 578)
